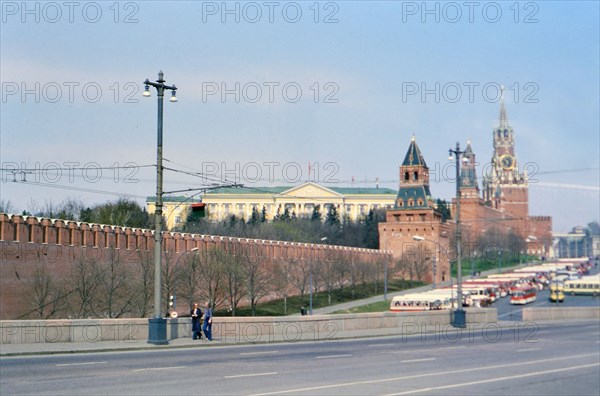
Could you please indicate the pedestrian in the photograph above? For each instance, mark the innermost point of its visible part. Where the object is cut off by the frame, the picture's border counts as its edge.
(196, 314)
(207, 326)
(302, 311)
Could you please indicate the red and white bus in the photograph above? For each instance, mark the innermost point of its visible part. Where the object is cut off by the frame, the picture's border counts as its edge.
(523, 295)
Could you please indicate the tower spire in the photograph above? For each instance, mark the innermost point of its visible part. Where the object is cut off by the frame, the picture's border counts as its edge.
(503, 116)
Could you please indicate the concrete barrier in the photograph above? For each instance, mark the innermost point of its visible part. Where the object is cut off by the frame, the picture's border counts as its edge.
(560, 313)
(239, 329)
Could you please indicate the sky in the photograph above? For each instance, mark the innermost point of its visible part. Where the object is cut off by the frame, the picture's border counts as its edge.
(278, 93)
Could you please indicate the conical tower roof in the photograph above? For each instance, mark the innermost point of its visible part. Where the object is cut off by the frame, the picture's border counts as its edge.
(413, 155)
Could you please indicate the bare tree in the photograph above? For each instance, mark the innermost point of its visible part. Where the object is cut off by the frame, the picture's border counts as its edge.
(299, 274)
(282, 271)
(190, 277)
(258, 279)
(327, 272)
(115, 294)
(235, 280)
(341, 269)
(144, 289)
(47, 296)
(211, 276)
(6, 206)
(85, 278)
(353, 274)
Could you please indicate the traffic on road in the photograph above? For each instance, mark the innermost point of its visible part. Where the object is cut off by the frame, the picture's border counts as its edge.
(569, 282)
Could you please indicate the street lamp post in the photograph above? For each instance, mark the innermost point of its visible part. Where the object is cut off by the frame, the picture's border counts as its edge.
(459, 315)
(157, 325)
(499, 261)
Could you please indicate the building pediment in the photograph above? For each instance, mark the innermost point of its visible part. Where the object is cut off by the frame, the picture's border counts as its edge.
(309, 190)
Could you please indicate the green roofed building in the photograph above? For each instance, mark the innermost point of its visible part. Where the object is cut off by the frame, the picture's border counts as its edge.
(300, 200)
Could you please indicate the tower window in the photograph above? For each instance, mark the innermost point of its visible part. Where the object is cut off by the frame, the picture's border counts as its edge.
(406, 177)
(415, 176)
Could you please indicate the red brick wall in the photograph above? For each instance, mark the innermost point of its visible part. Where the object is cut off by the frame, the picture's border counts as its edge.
(26, 243)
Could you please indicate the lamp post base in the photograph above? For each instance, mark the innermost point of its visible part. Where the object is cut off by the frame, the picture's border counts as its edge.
(157, 331)
(459, 319)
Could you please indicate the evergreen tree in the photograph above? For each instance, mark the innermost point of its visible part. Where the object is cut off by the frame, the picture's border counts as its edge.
(316, 214)
(442, 207)
(333, 217)
(263, 214)
(255, 217)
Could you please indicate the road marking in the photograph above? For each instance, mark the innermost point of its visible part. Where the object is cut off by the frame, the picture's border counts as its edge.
(79, 364)
(417, 360)
(257, 353)
(159, 368)
(332, 356)
(250, 375)
(433, 374)
(510, 313)
(496, 379)
(528, 349)
(426, 349)
(382, 345)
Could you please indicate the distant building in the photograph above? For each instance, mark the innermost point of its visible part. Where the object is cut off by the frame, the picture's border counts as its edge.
(176, 209)
(580, 242)
(302, 200)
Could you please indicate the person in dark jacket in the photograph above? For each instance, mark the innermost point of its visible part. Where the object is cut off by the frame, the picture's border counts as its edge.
(196, 315)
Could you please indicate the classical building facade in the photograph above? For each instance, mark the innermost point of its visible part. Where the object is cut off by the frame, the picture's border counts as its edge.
(415, 231)
(176, 209)
(219, 204)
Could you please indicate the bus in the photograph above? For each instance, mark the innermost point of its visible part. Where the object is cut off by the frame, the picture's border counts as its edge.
(523, 295)
(557, 293)
(419, 302)
(586, 285)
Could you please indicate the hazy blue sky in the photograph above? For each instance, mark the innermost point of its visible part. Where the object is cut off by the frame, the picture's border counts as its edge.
(267, 87)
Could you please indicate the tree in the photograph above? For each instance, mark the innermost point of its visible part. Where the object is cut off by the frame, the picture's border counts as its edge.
(123, 212)
(190, 277)
(211, 275)
(258, 279)
(442, 207)
(299, 274)
(115, 294)
(327, 272)
(6, 206)
(316, 213)
(144, 285)
(282, 271)
(235, 280)
(84, 276)
(263, 214)
(47, 296)
(254, 217)
(333, 217)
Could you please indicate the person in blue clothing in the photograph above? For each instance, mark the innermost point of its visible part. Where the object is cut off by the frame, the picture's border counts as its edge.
(207, 326)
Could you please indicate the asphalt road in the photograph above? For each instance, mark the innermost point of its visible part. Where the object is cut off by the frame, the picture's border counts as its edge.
(552, 359)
